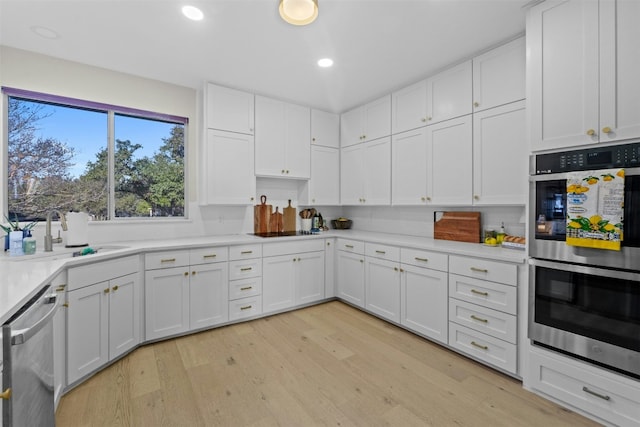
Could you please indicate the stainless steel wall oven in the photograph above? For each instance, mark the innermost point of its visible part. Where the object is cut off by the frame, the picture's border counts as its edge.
(584, 301)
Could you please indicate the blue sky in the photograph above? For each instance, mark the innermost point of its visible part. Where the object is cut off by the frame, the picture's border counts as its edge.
(86, 131)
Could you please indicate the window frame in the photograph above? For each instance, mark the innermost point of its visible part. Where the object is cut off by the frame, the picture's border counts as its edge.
(111, 110)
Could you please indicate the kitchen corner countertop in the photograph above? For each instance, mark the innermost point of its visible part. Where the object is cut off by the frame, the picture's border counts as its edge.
(23, 276)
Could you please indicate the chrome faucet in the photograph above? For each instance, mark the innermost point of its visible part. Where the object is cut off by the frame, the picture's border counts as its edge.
(48, 238)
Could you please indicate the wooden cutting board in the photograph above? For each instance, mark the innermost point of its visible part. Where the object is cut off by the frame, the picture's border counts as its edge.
(289, 218)
(261, 216)
(458, 226)
(275, 222)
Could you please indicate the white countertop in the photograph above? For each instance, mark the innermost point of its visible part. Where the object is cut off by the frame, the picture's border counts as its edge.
(22, 277)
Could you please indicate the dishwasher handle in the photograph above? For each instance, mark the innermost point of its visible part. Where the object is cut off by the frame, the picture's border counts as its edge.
(20, 336)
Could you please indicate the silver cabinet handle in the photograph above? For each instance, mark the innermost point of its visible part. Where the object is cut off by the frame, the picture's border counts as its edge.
(596, 394)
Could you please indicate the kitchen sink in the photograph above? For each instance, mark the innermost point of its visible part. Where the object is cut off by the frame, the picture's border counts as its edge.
(65, 253)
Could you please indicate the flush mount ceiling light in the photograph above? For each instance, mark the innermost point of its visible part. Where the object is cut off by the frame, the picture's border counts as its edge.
(299, 12)
(325, 62)
(192, 13)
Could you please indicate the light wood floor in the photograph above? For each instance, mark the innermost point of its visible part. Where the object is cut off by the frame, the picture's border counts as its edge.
(324, 365)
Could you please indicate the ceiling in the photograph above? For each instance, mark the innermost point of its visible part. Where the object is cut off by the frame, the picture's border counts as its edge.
(377, 45)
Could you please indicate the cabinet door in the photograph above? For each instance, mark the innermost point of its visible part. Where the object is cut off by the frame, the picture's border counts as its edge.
(330, 268)
(377, 118)
(325, 129)
(227, 176)
(278, 281)
(500, 156)
(87, 330)
(270, 137)
(382, 288)
(449, 179)
(499, 76)
(449, 93)
(351, 127)
(229, 109)
(297, 150)
(562, 70)
(351, 278)
(619, 65)
(124, 314)
(351, 180)
(309, 277)
(409, 167)
(324, 186)
(208, 295)
(166, 302)
(424, 302)
(376, 171)
(409, 107)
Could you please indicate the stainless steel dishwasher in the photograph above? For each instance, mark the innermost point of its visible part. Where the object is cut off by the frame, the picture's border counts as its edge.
(27, 377)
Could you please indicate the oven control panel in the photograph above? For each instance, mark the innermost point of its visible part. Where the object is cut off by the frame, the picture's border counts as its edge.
(621, 156)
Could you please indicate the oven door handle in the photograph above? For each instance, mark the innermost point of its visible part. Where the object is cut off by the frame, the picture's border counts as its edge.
(585, 269)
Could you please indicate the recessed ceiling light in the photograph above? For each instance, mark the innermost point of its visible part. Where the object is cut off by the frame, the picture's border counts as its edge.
(325, 62)
(192, 13)
(47, 33)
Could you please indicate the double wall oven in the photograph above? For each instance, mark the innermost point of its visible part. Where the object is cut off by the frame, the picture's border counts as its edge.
(584, 301)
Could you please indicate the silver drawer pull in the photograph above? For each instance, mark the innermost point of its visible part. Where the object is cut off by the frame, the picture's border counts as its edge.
(484, 294)
(246, 307)
(381, 252)
(483, 347)
(246, 269)
(168, 260)
(422, 259)
(246, 288)
(246, 252)
(348, 246)
(601, 396)
(479, 270)
(209, 256)
(479, 319)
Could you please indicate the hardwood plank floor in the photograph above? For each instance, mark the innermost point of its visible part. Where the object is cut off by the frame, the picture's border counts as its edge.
(324, 365)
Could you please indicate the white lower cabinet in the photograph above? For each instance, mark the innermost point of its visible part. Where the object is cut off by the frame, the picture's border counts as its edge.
(103, 317)
(350, 277)
(600, 394)
(293, 278)
(185, 297)
(245, 281)
(382, 281)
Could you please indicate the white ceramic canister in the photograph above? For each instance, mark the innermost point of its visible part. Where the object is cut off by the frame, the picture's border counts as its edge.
(77, 229)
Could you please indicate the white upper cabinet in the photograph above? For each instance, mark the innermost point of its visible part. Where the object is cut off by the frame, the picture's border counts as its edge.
(282, 139)
(499, 76)
(500, 158)
(409, 167)
(325, 129)
(229, 109)
(367, 122)
(324, 185)
(449, 162)
(449, 93)
(366, 173)
(582, 84)
(409, 107)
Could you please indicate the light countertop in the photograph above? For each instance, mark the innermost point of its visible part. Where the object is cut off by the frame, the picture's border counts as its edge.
(22, 277)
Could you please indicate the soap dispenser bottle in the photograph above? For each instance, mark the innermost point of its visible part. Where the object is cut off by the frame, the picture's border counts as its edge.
(29, 244)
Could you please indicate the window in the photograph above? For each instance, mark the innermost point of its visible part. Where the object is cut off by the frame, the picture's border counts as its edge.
(108, 161)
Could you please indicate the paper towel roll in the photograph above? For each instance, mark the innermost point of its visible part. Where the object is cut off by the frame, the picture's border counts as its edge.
(77, 229)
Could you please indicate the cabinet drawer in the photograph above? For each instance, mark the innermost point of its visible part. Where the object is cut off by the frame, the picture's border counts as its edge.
(244, 269)
(377, 250)
(603, 394)
(285, 248)
(348, 245)
(484, 347)
(245, 252)
(208, 255)
(245, 307)
(482, 292)
(484, 269)
(492, 322)
(167, 259)
(84, 275)
(419, 258)
(245, 288)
